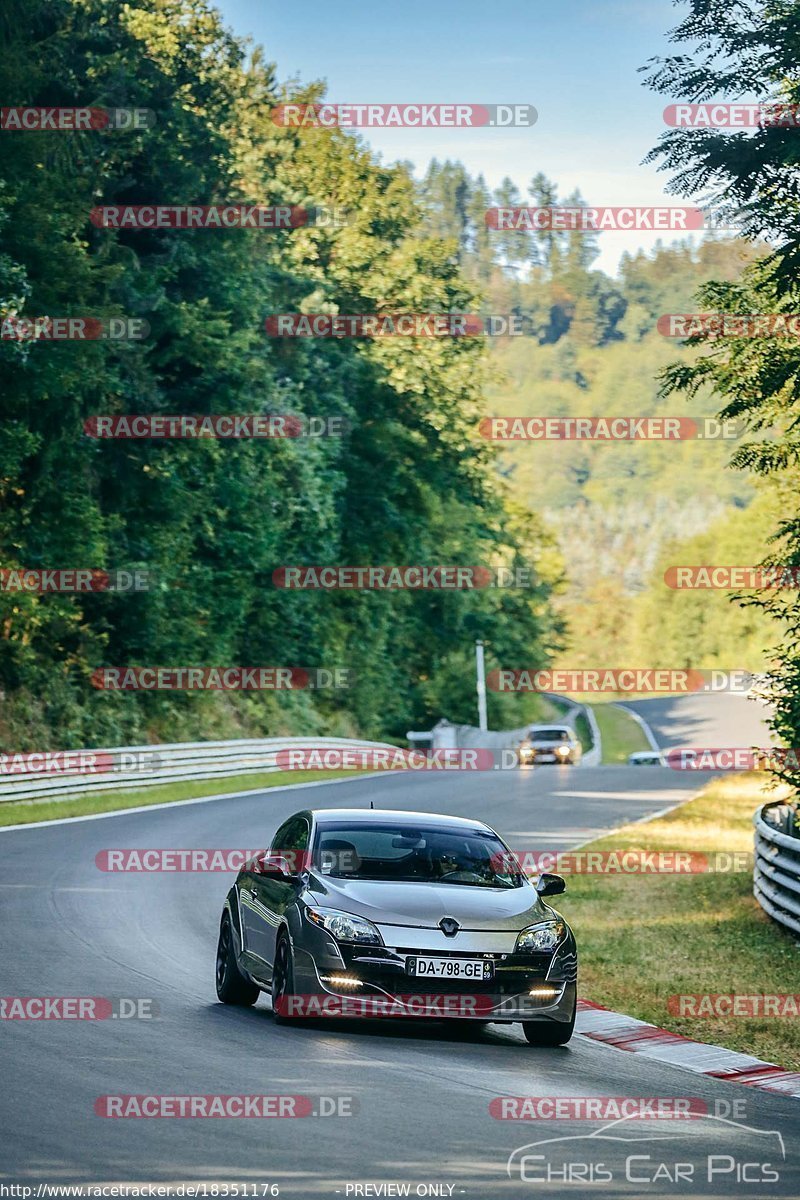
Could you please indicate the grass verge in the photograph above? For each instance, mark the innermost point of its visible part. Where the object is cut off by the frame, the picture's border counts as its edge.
(644, 938)
(584, 731)
(22, 812)
(620, 734)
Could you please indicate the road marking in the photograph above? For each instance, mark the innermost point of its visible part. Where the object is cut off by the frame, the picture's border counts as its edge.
(558, 837)
(123, 812)
(354, 1062)
(102, 890)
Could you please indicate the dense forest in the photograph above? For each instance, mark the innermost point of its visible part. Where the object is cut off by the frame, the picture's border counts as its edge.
(409, 480)
(211, 520)
(622, 512)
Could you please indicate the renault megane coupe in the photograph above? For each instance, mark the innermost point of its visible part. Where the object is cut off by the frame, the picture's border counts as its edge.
(413, 913)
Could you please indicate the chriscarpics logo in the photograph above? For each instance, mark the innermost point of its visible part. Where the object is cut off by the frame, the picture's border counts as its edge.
(687, 1158)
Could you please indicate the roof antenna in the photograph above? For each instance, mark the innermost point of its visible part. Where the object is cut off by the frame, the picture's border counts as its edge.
(371, 804)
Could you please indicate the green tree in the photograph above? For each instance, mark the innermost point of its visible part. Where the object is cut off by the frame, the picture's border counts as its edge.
(749, 49)
(410, 482)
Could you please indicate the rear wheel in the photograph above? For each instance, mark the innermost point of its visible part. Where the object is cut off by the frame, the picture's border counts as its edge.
(283, 981)
(232, 986)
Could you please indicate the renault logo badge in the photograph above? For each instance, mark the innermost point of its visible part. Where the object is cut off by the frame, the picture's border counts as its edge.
(449, 926)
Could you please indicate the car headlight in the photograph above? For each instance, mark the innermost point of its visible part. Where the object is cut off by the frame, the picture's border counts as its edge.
(562, 750)
(538, 938)
(345, 927)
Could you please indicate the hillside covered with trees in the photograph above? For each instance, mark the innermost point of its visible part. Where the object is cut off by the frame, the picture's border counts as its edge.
(621, 512)
(407, 483)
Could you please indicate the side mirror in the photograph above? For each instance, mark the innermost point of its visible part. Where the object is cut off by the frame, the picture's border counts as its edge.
(274, 866)
(550, 885)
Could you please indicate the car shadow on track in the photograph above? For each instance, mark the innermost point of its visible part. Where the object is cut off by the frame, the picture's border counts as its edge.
(408, 1029)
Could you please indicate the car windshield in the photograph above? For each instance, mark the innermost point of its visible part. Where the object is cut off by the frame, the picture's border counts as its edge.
(550, 735)
(402, 853)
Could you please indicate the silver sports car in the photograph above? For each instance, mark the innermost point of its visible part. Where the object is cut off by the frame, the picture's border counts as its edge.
(360, 912)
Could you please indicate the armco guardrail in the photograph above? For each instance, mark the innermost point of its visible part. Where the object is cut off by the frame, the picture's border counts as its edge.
(146, 766)
(776, 873)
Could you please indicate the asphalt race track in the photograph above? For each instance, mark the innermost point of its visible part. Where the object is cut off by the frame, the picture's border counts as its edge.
(704, 719)
(422, 1091)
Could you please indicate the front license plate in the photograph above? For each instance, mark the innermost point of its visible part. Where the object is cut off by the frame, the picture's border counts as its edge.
(477, 969)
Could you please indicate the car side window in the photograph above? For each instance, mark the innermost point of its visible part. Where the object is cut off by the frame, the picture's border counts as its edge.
(292, 835)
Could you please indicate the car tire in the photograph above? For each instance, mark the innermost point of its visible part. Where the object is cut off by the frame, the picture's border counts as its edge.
(232, 986)
(283, 979)
(549, 1033)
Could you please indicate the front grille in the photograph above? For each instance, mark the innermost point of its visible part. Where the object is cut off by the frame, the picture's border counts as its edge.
(400, 984)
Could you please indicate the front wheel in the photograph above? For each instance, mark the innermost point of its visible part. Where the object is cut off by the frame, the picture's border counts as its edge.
(232, 987)
(549, 1033)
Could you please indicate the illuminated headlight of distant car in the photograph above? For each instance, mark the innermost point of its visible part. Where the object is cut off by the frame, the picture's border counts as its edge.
(345, 927)
(540, 938)
(563, 751)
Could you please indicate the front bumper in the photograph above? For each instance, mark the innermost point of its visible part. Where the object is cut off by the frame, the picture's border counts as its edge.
(375, 981)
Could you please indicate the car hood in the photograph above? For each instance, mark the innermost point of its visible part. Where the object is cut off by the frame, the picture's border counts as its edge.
(424, 904)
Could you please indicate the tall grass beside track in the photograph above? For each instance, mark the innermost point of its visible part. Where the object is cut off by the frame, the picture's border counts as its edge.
(643, 938)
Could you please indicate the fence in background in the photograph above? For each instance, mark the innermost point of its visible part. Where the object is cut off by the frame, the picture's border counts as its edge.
(147, 766)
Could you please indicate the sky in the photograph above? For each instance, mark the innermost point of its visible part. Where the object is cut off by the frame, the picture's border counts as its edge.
(576, 61)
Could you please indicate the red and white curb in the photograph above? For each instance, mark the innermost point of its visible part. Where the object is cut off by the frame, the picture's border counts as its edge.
(627, 1033)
